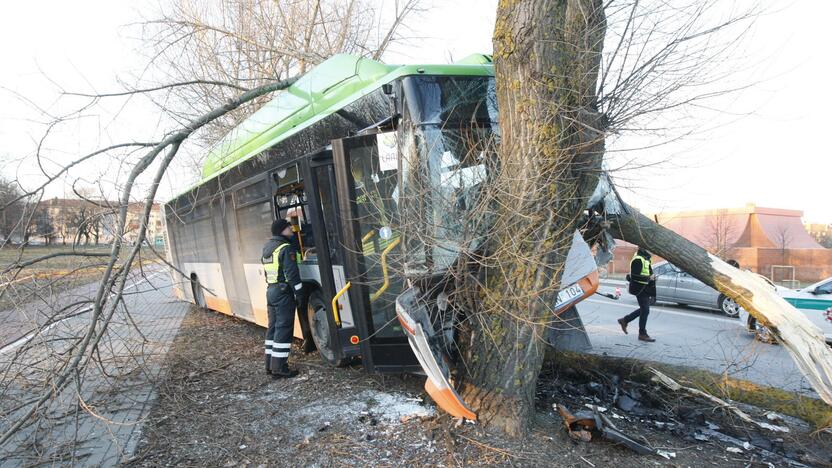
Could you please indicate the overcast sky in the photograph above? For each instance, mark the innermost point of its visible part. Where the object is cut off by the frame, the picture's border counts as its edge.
(766, 147)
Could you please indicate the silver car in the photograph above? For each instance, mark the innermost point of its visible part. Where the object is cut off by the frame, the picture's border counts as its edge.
(675, 285)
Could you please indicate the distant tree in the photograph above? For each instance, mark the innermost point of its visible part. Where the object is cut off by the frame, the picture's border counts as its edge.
(94, 227)
(81, 221)
(783, 238)
(41, 226)
(229, 46)
(823, 236)
(11, 212)
(717, 239)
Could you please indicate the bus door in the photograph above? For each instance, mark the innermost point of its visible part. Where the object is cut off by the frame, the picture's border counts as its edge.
(334, 329)
(367, 189)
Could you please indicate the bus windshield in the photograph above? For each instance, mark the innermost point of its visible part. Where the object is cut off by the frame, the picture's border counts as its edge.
(449, 143)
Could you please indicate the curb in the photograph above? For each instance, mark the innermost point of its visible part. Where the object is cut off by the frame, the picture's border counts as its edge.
(612, 282)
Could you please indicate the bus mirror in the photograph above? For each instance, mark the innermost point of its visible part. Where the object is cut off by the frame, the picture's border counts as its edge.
(385, 232)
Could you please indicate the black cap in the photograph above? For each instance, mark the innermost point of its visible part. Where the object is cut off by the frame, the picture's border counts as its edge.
(279, 226)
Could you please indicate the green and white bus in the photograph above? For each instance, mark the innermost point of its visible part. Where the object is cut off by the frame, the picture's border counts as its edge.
(348, 152)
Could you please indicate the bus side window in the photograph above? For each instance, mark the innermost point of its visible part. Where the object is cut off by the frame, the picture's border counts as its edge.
(254, 219)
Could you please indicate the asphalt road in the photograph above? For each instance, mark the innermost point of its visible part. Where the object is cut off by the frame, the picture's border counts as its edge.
(689, 336)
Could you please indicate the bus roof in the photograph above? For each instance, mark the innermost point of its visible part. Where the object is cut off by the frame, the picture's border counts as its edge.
(333, 84)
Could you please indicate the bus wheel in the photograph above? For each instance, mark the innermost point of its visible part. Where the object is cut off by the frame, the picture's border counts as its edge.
(319, 326)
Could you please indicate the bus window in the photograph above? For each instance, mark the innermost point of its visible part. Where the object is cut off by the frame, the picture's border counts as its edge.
(254, 223)
(253, 192)
(290, 201)
(287, 176)
(254, 219)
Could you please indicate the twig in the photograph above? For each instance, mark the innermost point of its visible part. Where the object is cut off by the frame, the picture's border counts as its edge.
(488, 447)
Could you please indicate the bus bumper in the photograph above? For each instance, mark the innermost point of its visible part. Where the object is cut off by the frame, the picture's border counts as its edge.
(415, 320)
(414, 316)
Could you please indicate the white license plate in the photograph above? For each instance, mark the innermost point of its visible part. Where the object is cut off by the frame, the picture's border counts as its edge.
(568, 295)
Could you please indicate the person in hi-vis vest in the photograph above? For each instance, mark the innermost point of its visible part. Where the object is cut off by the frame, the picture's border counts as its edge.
(643, 286)
(283, 278)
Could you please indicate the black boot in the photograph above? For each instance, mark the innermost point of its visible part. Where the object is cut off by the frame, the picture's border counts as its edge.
(645, 337)
(623, 323)
(281, 370)
(268, 362)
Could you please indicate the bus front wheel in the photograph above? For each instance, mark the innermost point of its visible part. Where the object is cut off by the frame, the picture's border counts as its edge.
(319, 326)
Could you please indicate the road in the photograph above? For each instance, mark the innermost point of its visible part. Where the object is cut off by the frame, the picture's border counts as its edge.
(97, 420)
(689, 336)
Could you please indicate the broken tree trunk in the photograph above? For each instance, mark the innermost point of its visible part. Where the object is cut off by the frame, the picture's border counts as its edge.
(801, 338)
(546, 58)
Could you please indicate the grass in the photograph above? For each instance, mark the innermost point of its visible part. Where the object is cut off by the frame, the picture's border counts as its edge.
(55, 274)
(812, 410)
(12, 255)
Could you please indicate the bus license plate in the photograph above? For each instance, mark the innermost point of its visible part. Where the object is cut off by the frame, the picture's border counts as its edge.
(569, 294)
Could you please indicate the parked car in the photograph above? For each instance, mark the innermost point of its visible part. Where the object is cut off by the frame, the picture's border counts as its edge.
(816, 297)
(815, 302)
(675, 285)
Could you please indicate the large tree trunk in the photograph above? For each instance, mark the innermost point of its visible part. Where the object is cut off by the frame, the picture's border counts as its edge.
(546, 58)
(801, 338)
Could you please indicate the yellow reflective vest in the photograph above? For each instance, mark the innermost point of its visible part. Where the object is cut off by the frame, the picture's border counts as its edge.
(645, 267)
(272, 264)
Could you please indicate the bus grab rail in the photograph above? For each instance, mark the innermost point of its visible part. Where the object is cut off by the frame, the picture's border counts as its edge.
(336, 314)
(368, 236)
(386, 283)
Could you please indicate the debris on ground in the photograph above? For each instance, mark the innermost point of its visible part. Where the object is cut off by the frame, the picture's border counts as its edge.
(652, 414)
(675, 386)
(345, 416)
(584, 425)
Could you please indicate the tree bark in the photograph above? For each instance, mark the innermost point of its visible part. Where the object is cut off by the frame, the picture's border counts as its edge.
(546, 57)
(804, 341)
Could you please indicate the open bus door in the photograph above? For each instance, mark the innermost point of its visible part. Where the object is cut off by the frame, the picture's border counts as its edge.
(366, 183)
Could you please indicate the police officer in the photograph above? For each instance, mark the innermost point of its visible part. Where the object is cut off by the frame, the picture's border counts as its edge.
(283, 278)
(643, 286)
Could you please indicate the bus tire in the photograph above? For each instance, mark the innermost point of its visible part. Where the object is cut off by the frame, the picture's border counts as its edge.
(308, 344)
(319, 327)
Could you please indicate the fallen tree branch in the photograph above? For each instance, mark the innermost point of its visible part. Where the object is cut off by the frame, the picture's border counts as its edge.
(676, 386)
(803, 340)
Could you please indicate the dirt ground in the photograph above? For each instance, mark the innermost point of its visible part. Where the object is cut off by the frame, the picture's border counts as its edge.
(217, 408)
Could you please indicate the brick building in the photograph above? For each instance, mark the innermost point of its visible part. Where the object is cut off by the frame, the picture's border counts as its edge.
(770, 241)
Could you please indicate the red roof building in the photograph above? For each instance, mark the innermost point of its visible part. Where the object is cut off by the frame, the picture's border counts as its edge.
(770, 241)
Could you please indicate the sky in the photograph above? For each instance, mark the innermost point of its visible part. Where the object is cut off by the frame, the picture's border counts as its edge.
(764, 144)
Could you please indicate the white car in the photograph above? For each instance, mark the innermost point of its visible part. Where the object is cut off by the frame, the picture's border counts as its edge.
(815, 302)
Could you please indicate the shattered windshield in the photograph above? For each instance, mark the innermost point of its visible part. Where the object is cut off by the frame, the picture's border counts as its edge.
(449, 149)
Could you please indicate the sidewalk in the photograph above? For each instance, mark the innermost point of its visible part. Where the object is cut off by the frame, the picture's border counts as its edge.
(97, 420)
(613, 283)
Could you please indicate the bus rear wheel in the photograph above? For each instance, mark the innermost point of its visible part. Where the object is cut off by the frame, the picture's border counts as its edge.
(319, 327)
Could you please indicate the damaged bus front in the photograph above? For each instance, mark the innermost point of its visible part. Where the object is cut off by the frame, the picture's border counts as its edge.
(448, 136)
